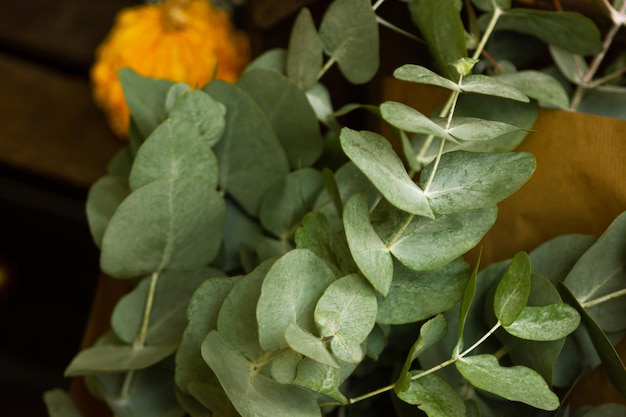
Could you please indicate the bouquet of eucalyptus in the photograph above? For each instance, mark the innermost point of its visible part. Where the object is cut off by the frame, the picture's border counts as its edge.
(270, 283)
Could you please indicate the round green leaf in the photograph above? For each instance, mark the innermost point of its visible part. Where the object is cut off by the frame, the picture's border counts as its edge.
(483, 84)
(513, 290)
(470, 180)
(289, 294)
(568, 30)
(347, 313)
(305, 54)
(173, 150)
(545, 323)
(422, 75)
(415, 296)
(236, 321)
(287, 201)
(250, 156)
(252, 393)
(173, 223)
(375, 157)
(429, 244)
(204, 112)
(289, 112)
(434, 396)
(538, 85)
(309, 345)
(407, 118)
(349, 34)
(516, 383)
(370, 253)
(105, 195)
(168, 316)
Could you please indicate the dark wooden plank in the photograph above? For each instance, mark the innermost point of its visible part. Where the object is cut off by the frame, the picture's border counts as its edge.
(49, 124)
(65, 32)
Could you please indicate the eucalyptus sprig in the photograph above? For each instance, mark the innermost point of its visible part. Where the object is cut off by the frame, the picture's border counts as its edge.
(267, 284)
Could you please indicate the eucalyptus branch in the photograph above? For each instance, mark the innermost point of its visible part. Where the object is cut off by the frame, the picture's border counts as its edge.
(421, 374)
(586, 82)
(140, 340)
(497, 12)
(378, 4)
(396, 29)
(326, 67)
(604, 299)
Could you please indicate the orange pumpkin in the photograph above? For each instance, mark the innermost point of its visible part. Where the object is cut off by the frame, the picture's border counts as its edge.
(187, 41)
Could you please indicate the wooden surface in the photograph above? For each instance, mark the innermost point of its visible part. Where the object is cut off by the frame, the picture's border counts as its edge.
(49, 125)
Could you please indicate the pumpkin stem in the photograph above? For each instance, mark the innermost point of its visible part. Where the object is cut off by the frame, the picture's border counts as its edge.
(174, 16)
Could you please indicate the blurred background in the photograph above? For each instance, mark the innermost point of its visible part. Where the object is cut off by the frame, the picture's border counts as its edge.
(54, 143)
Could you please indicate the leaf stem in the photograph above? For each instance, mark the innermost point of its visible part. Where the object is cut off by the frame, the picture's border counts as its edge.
(604, 299)
(497, 12)
(140, 340)
(396, 29)
(377, 4)
(435, 166)
(586, 82)
(326, 67)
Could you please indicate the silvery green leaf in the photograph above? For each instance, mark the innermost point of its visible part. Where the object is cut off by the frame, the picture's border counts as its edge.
(317, 235)
(422, 75)
(288, 200)
(440, 24)
(108, 358)
(168, 316)
(104, 197)
(474, 129)
(151, 393)
(375, 157)
(349, 34)
(468, 180)
(321, 102)
(516, 383)
(173, 223)
(291, 116)
(605, 100)
(572, 66)
(273, 59)
(289, 294)
(60, 404)
(249, 168)
(204, 112)
(174, 93)
(252, 393)
(600, 272)
(174, 149)
(429, 244)
(305, 54)
(545, 323)
(556, 257)
(569, 30)
(610, 358)
(368, 250)
(434, 396)
(538, 85)
(309, 345)
(417, 295)
(323, 379)
(202, 314)
(431, 332)
(346, 313)
(483, 84)
(407, 118)
(513, 290)
(464, 309)
(145, 98)
(236, 321)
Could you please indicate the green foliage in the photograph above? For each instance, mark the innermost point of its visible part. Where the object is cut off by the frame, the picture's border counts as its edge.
(268, 282)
